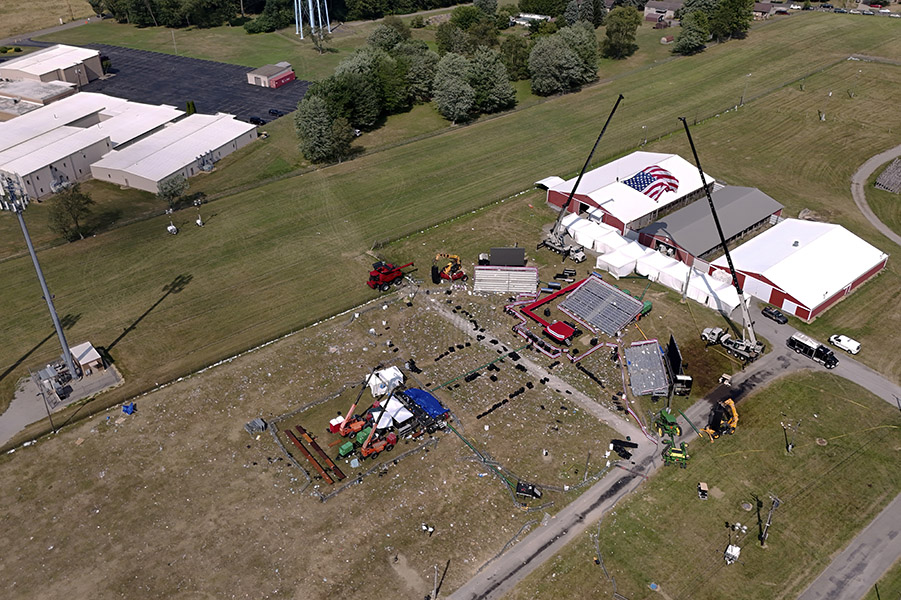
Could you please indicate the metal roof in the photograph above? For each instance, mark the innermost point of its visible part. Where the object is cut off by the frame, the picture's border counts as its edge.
(44, 150)
(810, 261)
(605, 184)
(664, 5)
(271, 70)
(175, 146)
(35, 90)
(601, 305)
(647, 372)
(50, 59)
(693, 229)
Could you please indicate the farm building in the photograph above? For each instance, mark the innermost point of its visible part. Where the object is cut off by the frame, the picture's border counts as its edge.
(803, 267)
(665, 9)
(763, 11)
(56, 63)
(271, 76)
(56, 144)
(183, 148)
(631, 192)
(690, 232)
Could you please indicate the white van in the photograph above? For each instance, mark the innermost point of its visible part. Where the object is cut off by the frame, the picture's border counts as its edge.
(845, 343)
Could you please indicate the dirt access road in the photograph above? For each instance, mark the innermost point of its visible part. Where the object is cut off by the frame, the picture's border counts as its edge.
(503, 574)
(859, 180)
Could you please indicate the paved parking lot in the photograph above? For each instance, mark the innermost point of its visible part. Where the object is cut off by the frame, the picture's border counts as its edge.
(157, 78)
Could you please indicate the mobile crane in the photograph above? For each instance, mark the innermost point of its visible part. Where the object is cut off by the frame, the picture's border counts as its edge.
(747, 348)
(555, 240)
(351, 424)
(385, 443)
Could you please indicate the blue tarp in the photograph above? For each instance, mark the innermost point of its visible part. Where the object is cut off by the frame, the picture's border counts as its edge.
(426, 402)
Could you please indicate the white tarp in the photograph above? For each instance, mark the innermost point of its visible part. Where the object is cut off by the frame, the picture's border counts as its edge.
(622, 262)
(651, 265)
(609, 242)
(382, 382)
(713, 293)
(395, 413)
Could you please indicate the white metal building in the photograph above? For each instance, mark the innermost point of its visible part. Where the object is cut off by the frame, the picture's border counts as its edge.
(56, 63)
(624, 207)
(181, 148)
(56, 144)
(803, 267)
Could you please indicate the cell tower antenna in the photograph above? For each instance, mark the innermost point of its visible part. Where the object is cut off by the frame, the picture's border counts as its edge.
(15, 200)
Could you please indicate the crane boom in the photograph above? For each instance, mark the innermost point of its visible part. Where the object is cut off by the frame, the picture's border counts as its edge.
(745, 313)
(555, 240)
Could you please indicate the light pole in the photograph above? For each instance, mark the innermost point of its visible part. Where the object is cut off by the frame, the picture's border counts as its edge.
(16, 200)
(741, 101)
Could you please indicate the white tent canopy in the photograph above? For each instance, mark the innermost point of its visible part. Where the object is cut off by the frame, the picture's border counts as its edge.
(651, 265)
(610, 242)
(382, 382)
(712, 293)
(622, 261)
(674, 276)
(395, 413)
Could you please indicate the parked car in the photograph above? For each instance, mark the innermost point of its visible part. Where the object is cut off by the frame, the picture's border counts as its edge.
(854, 12)
(840, 10)
(826, 6)
(895, 15)
(775, 314)
(845, 343)
(807, 7)
(795, 7)
(276, 112)
(884, 11)
(868, 12)
(256, 121)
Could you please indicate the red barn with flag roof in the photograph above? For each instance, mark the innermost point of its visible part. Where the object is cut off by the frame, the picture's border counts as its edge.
(630, 192)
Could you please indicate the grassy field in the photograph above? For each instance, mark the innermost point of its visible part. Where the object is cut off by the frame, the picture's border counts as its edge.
(228, 44)
(18, 17)
(665, 535)
(208, 511)
(275, 258)
(886, 205)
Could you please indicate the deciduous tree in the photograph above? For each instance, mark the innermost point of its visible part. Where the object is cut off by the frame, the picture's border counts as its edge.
(315, 128)
(694, 34)
(68, 210)
(622, 24)
(490, 83)
(515, 54)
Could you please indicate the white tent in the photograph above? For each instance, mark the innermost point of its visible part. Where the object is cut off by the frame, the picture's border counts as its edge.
(587, 235)
(622, 261)
(674, 276)
(395, 413)
(610, 242)
(651, 265)
(382, 382)
(713, 293)
(569, 220)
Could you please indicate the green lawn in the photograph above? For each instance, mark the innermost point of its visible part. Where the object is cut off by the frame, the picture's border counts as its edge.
(886, 205)
(228, 44)
(19, 17)
(276, 257)
(664, 534)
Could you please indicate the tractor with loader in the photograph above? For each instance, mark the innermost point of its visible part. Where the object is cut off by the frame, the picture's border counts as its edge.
(452, 271)
(723, 419)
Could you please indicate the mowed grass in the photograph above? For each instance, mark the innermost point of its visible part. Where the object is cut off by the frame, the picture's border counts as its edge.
(288, 253)
(227, 44)
(886, 205)
(664, 534)
(18, 17)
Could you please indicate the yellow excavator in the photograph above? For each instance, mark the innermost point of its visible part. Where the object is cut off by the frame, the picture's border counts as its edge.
(723, 419)
(452, 271)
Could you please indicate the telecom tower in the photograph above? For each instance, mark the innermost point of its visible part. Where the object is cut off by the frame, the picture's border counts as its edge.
(15, 199)
(313, 13)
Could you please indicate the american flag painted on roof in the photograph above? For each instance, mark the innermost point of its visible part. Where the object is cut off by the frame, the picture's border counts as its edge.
(653, 181)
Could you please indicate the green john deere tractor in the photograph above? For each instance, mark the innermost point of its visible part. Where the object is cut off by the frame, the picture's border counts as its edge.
(666, 424)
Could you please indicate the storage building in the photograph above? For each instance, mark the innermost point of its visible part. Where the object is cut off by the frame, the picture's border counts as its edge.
(184, 148)
(690, 232)
(272, 76)
(56, 63)
(803, 267)
(631, 192)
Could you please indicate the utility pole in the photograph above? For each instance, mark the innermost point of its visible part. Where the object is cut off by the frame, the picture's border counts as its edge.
(786, 427)
(16, 200)
(769, 520)
(435, 589)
